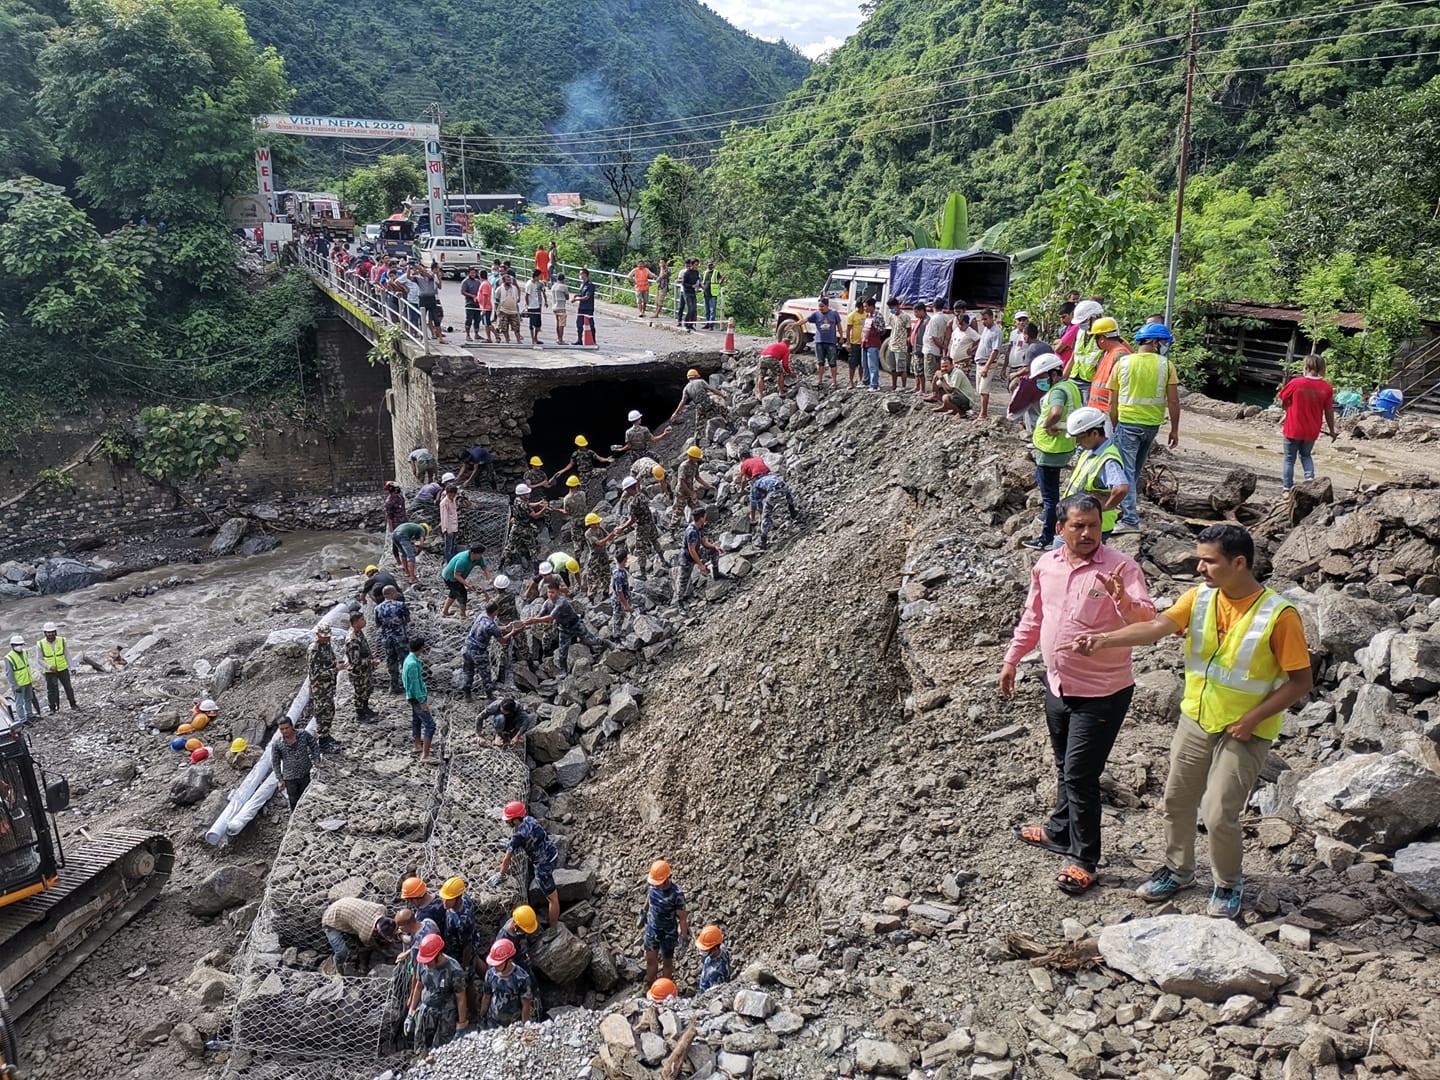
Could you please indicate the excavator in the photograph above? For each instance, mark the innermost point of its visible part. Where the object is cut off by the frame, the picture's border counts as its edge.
(56, 906)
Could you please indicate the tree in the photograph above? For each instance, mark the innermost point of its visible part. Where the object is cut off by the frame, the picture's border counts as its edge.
(622, 176)
(25, 142)
(379, 190)
(473, 159)
(670, 206)
(155, 100)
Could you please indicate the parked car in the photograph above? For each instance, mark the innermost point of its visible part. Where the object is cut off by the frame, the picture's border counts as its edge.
(450, 256)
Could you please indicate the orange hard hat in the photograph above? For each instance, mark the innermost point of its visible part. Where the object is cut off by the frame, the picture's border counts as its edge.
(709, 938)
(412, 889)
(659, 872)
(513, 811)
(662, 990)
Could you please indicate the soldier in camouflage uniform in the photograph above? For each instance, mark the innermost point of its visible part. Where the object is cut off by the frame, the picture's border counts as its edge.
(524, 535)
(583, 461)
(690, 484)
(574, 507)
(507, 613)
(361, 666)
(638, 437)
(642, 520)
(535, 477)
(597, 558)
(323, 668)
(706, 400)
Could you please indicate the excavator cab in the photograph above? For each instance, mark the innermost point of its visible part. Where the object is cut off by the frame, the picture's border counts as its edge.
(30, 854)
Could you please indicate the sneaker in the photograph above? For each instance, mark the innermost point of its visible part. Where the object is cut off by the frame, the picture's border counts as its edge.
(1034, 543)
(1125, 527)
(1225, 903)
(1163, 884)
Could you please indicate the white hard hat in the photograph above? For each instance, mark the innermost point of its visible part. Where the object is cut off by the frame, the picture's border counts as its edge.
(1083, 420)
(629, 482)
(1087, 309)
(522, 489)
(546, 568)
(49, 628)
(208, 705)
(1022, 315)
(1041, 364)
(635, 414)
(447, 478)
(16, 639)
(501, 581)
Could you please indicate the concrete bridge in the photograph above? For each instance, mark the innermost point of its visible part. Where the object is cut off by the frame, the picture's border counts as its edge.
(516, 400)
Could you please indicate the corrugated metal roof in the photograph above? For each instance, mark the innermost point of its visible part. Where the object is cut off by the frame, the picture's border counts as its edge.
(1349, 320)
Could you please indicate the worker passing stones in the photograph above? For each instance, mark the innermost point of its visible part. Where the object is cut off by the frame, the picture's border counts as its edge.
(529, 837)
(666, 921)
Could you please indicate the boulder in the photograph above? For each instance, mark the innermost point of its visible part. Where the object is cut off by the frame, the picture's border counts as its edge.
(1374, 658)
(988, 489)
(14, 592)
(1346, 623)
(651, 630)
(257, 545)
(1418, 866)
(1415, 508)
(624, 709)
(1353, 532)
(64, 575)
(547, 742)
(1372, 715)
(226, 887)
(1415, 663)
(226, 672)
(1171, 555)
(1193, 956)
(16, 573)
(561, 956)
(736, 566)
(574, 885)
(603, 973)
(881, 1058)
(572, 768)
(755, 1004)
(1232, 491)
(191, 786)
(229, 536)
(1302, 549)
(1382, 799)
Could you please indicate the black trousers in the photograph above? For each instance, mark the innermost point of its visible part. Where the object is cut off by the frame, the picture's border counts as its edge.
(295, 788)
(54, 680)
(1082, 733)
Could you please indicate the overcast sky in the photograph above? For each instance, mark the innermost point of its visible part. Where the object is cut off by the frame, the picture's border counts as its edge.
(813, 28)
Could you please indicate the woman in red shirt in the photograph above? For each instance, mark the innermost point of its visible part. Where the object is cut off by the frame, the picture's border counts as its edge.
(1309, 402)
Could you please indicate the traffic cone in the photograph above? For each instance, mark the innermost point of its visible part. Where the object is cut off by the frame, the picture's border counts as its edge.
(589, 332)
(730, 337)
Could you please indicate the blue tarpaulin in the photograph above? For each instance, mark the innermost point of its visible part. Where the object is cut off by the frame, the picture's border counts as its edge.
(980, 278)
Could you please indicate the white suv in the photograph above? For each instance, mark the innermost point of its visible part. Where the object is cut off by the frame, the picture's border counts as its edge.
(449, 256)
(844, 288)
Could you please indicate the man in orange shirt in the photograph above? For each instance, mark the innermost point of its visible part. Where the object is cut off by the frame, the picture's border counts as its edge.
(542, 264)
(1106, 332)
(1246, 662)
(641, 277)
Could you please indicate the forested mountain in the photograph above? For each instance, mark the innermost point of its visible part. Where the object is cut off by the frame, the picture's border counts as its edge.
(519, 66)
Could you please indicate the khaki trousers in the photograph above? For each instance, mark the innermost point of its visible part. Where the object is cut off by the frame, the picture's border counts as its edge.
(1215, 774)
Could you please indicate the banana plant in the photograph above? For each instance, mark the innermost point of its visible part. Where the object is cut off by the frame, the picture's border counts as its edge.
(951, 229)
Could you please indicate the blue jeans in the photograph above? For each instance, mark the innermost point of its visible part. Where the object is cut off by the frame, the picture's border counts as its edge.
(710, 304)
(1300, 448)
(872, 367)
(1047, 479)
(1134, 441)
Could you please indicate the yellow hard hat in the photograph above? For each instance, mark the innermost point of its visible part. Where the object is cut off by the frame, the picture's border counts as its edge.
(692, 374)
(238, 746)
(572, 566)
(524, 917)
(425, 527)
(592, 519)
(184, 729)
(658, 472)
(454, 887)
(535, 461)
(581, 441)
(193, 743)
(695, 452)
(371, 569)
(1101, 327)
(572, 481)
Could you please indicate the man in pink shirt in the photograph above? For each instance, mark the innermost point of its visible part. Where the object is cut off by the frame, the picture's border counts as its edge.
(1073, 589)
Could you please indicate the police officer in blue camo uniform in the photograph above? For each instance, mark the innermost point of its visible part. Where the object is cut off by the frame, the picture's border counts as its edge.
(531, 838)
(569, 626)
(714, 958)
(459, 929)
(697, 551)
(509, 720)
(763, 494)
(667, 923)
(477, 650)
(392, 618)
(509, 990)
(520, 930)
(620, 598)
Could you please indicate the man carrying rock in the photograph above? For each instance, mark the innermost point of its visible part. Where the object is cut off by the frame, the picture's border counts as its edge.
(569, 626)
(55, 666)
(322, 668)
(354, 927)
(666, 920)
(638, 437)
(422, 721)
(509, 989)
(763, 494)
(530, 837)
(1246, 662)
(477, 651)
(437, 1008)
(706, 400)
(293, 756)
(691, 483)
(393, 619)
(1081, 588)
(361, 666)
(697, 550)
(642, 520)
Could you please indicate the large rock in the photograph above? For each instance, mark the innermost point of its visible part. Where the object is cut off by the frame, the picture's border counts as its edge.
(1415, 663)
(1347, 623)
(1352, 533)
(624, 709)
(1382, 799)
(1416, 508)
(1193, 956)
(16, 573)
(1171, 555)
(1372, 715)
(603, 973)
(561, 956)
(226, 887)
(64, 575)
(1374, 658)
(1302, 549)
(573, 885)
(1419, 867)
(548, 742)
(229, 536)
(226, 672)
(882, 1058)
(191, 786)
(14, 592)
(572, 768)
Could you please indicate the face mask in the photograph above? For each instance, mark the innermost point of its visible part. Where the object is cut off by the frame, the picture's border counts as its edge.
(1043, 384)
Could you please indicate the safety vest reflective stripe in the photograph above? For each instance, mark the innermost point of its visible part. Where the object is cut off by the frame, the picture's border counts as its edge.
(1143, 379)
(1084, 357)
(54, 653)
(20, 664)
(1041, 439)
(1086, 477)
(1236, 673)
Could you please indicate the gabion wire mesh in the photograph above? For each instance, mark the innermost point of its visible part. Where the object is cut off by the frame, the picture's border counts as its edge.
(246, 1065)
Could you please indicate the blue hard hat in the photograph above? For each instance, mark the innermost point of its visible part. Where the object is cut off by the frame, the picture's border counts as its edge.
(1154, 332)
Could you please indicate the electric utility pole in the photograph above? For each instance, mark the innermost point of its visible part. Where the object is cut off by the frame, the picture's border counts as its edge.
(1184, 164)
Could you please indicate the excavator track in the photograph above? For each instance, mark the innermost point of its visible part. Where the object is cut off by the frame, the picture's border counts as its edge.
(103, 885)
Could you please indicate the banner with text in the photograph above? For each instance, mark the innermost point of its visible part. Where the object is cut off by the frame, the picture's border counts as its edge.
(341, 127)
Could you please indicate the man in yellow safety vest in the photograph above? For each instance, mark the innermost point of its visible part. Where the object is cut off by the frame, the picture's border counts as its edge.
(21, 680)
(1053, 447)
(56, 667)
(1144, 386)
(1246, 662)
(1099, 469)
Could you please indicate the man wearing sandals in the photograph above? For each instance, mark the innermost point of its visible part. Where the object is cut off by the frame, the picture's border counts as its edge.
(1246, 662)
(1081, 589)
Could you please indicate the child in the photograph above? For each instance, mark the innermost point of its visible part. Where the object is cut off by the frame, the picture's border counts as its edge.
(1308, 401)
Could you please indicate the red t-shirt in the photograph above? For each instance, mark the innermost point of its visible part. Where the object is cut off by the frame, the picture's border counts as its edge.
(1306, 399)
(752, 468)
(542, 260)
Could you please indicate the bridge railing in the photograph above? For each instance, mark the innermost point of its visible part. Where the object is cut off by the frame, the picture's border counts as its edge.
(610, 287)
(375, 307)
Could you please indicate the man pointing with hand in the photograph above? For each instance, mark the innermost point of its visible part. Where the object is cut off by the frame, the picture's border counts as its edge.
(1246, 662)
(1077, 591)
